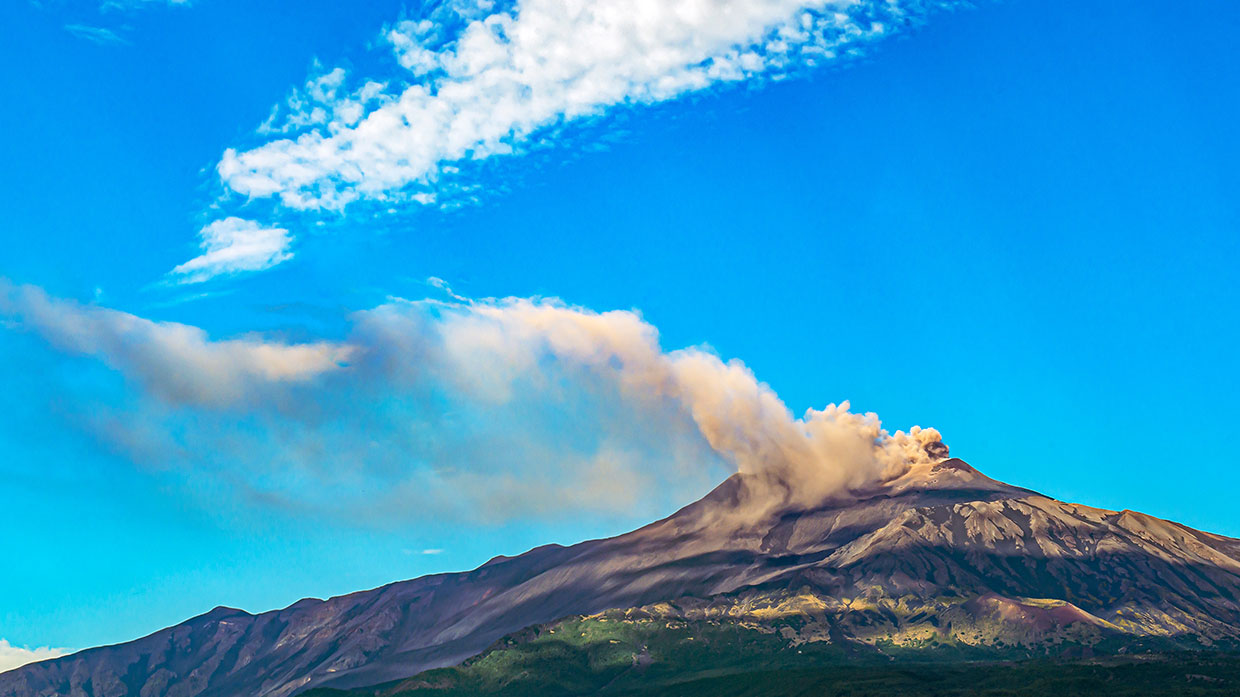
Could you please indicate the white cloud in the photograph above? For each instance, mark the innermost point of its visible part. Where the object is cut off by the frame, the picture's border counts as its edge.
(233, 245)
(98, 35)
(323, 101)
(15, 656)
(480, 81)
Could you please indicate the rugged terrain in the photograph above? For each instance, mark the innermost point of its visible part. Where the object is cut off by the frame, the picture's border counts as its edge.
(940, 557)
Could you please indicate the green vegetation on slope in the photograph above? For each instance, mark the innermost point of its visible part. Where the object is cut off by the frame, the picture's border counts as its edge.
(621, 653)
(1160, 676)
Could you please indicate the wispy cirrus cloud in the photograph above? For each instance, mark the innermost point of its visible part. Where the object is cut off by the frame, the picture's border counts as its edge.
(98, 35)
(235, 245)
(482, 79)
(106, 36)
(141, 4)
(16, 656)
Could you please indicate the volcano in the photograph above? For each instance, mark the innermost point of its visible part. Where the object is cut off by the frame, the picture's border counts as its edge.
(939, 556)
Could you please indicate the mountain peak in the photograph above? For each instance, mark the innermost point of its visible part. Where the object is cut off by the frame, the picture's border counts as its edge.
(937, 550)
(752, 500)
(945, 475)
(221, 611)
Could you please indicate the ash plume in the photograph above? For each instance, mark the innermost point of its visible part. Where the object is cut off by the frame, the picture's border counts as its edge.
(488, 409)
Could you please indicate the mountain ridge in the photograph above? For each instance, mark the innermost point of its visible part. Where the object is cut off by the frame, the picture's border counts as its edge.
(940, 530)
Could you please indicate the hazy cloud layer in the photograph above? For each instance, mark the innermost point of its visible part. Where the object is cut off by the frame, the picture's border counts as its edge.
(235, 245)
(486, 410)
(15, 656)
(479, 79)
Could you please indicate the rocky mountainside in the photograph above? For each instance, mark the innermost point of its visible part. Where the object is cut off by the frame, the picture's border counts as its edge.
(942, 551)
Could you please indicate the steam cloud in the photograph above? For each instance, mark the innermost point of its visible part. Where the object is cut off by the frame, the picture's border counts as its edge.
(494, 408)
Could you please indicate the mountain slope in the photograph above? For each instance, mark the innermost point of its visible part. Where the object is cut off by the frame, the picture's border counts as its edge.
(998, 562)
(627, 654)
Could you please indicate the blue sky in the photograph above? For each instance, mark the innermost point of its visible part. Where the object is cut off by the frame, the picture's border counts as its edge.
(1016, 223)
